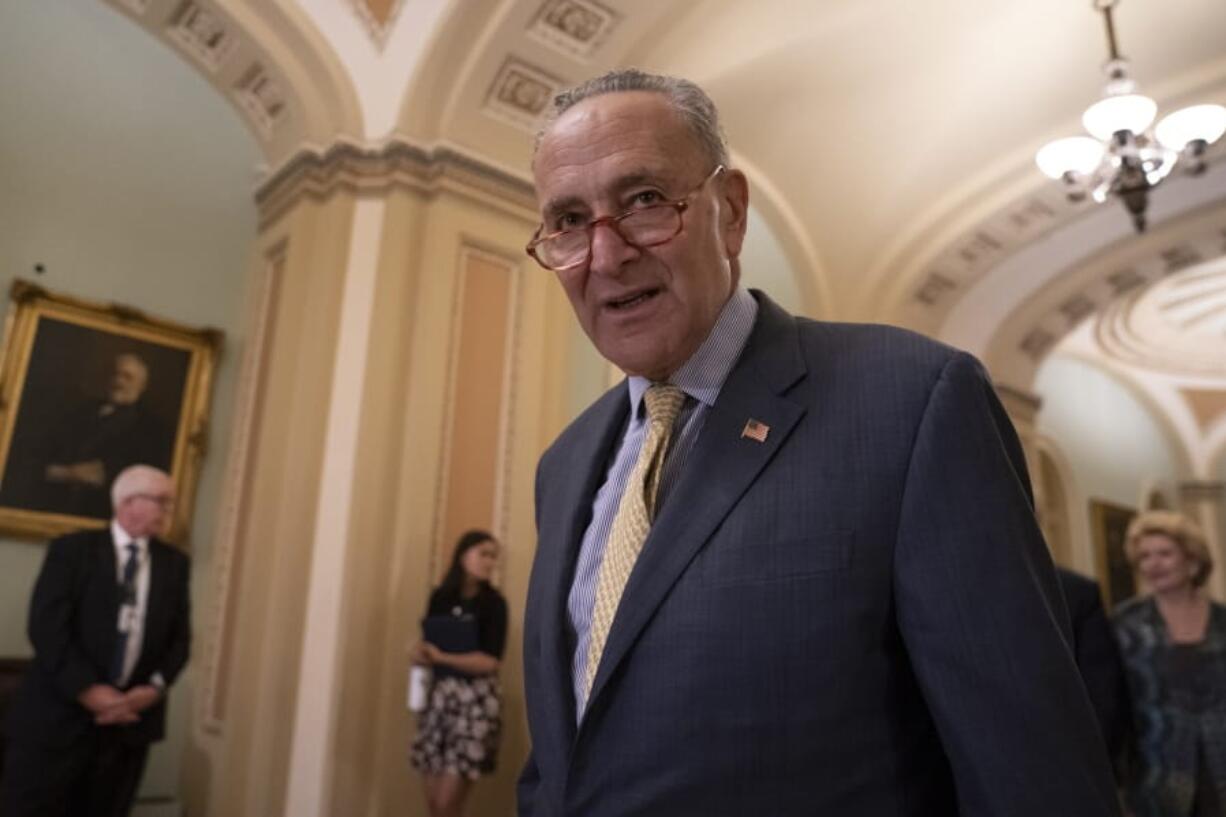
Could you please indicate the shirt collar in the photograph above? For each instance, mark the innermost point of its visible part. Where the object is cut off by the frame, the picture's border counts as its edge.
(703, 375)
(123, 539)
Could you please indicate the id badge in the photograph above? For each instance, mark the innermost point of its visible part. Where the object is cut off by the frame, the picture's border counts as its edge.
(127, 618)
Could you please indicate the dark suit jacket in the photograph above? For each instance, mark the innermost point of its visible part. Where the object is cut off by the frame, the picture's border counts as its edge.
(73, 615)
(1098, 658)
(856, 616)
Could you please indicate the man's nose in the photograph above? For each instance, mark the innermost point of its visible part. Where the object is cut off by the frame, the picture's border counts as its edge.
(610, 252)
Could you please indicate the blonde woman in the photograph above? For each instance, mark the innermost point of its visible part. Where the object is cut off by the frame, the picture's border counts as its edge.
(1173, 644)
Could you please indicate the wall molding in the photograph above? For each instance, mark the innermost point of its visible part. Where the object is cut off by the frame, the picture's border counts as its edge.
(227, 559)
(440, 551)
(314, 173)
(1025, 403)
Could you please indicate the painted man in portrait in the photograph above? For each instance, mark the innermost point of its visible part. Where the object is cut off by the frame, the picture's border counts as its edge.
(68, 470)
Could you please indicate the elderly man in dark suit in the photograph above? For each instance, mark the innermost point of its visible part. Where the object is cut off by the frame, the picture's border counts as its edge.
(787, 567)
(110, 626)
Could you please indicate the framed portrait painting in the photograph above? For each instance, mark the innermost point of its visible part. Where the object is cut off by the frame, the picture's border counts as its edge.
(1109, 527)
(86, 390)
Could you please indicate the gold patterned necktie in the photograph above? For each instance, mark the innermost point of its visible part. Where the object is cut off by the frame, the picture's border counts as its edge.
(633, 519)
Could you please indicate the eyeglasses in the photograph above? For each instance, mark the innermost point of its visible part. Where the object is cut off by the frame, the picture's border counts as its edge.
(163, 501)
(645, 227)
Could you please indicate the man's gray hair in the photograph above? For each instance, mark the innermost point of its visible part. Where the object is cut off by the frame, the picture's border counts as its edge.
(136, 479)
(687, 99)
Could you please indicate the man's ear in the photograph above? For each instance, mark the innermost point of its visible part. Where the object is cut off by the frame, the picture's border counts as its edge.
(733, 211)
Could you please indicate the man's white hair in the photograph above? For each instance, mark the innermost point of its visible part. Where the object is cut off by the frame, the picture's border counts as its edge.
(136, 479)
(135, 358)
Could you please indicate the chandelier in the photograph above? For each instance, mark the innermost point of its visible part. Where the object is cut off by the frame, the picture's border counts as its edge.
(1123, 156)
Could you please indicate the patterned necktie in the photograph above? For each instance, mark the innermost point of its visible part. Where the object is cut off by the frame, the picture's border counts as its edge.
(127, 598)
(635, 513)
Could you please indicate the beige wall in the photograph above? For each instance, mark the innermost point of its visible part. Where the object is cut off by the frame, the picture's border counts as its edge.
(253, 686)
(467, 354)
(1111, 445)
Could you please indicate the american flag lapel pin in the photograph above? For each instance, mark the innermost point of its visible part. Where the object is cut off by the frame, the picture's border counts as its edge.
(755, 430)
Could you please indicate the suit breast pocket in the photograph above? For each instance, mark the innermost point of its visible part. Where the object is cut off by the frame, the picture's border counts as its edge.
(821, 553)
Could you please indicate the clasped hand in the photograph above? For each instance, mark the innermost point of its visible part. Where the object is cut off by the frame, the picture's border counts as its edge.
(425, 653)
(90, 472)
(111, 707)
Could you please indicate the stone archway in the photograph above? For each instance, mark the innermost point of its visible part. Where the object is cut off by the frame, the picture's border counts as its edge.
(267, 61)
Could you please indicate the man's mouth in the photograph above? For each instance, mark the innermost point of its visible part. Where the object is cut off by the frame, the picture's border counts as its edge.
(631, 301)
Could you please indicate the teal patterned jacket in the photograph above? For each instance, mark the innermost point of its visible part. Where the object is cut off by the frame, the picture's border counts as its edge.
(1168, 724)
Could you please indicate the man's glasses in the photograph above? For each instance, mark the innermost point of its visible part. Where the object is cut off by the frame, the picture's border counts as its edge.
(162, 500)
(645, 227)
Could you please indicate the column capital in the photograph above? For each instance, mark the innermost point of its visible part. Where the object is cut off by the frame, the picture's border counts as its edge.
(1023, 406)
(395, 164)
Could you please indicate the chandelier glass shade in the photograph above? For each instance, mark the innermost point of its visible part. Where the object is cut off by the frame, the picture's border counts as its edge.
(1073, 154)
(1112, 114)
(1124, 156)
(1182, 128)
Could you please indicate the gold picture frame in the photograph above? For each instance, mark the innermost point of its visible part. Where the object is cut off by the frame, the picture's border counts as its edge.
(87, 388)
(1109, 527)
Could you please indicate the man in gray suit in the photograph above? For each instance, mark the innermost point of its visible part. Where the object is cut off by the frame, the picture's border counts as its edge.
(786, 567)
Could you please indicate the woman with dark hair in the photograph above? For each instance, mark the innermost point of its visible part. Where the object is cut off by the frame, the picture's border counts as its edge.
(1173, 644)
(457, 738)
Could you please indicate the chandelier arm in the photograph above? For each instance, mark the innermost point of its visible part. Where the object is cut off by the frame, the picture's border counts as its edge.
(1106, 7)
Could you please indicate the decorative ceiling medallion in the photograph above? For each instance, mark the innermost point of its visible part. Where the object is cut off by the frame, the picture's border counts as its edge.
(1125, 280)
(520, 94)
(202, 33)
(1037, 343)
(1197, 490)
(1177, 324)
(1162, 307)
(378, 17)
(1208, 406)
(261, 97)
(574, 27)
(1180, 256)
(934, 288)
(1077, 307)
(963, 261)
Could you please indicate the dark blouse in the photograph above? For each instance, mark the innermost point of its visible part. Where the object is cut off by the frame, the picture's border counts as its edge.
(488, 607)
(1179, 708)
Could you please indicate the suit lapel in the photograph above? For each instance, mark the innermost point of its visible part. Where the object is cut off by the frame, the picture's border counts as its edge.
(721, 467)
(105, 611)
(576, 480)
(108, 569)
(159, 584)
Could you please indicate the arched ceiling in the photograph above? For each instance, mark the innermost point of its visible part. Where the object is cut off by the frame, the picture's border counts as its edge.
(888, 142)
(887, 131)
(268, 60)
(887, 122)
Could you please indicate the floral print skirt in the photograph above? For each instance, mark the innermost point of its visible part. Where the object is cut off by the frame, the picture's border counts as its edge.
(458, 731)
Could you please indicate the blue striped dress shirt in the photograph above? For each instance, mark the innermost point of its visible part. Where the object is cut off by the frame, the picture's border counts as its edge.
(701, 378)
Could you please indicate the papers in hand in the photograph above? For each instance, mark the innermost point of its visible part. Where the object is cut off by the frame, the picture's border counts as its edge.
(419, 688)
(451, 633)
